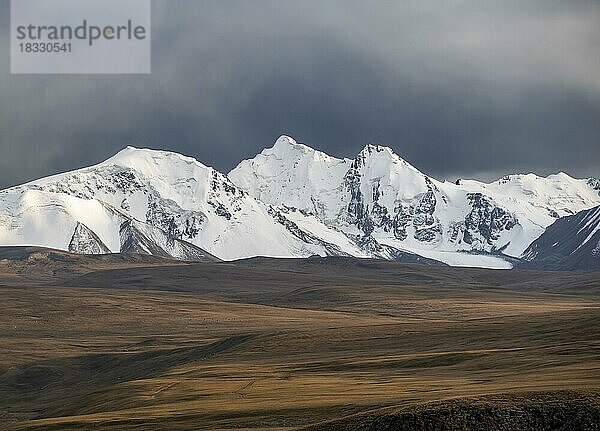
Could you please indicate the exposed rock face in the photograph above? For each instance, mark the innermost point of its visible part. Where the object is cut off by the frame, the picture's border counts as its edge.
(481, 228)
(401, 220)
(485, 222)
(357, 211)
(427, 228)
(172, 219)
(279, 214)
(369, 212)
(134, 241)
(594, 183)
(85, 241)
(144, 239)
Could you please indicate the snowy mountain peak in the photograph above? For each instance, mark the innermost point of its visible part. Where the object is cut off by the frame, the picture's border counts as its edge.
(375, 148)
(284, 142)
(382, 201)
(561, 175)
(372, 150)
(143, 158)
(532, 178)
(382, 156)
(289, 200)
(288, 148)
(292, 174)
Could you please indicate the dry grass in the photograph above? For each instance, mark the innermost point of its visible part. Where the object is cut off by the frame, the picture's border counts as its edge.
(279, 346)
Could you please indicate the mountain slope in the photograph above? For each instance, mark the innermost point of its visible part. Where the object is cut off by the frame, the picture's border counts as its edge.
(85, 241)
(295, 175)
(289, 201)
(571, 242)
(380, 200)
(166, 204)
(34, 216)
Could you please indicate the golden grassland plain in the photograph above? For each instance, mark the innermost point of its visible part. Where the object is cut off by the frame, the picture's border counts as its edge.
(263, 344)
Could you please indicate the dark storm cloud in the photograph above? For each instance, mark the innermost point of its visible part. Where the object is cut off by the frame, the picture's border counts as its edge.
(469, 88)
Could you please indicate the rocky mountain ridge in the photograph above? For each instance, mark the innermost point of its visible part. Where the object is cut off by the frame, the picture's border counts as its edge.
(288, 201)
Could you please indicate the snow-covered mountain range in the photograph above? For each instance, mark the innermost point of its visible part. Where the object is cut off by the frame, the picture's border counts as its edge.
(288, 201)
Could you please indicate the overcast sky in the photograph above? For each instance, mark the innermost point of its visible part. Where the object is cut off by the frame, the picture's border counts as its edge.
(458, 88)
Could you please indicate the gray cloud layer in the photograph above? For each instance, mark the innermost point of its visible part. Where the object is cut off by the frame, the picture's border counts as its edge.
(458, 88)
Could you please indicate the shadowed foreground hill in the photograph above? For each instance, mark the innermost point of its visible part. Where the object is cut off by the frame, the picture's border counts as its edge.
(524, 412)
(127, 343)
